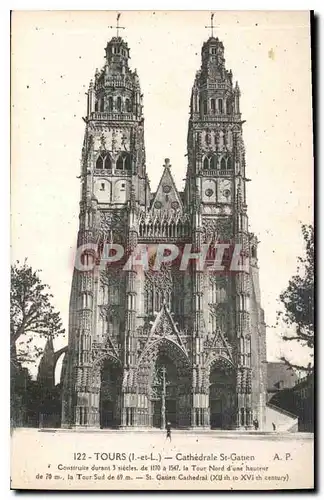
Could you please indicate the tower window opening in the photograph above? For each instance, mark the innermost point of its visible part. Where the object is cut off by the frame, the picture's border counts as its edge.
(108, 164)
(229, 163)
(124, 162)
(120, 163)
(118, 103)
(220, 105)
(206, 163)
(223, 164)
(213, 50)
(96, 106)
(127, 104)
(110, 104)
(213, 105)
(127, 162)
(205, 107)
(100, 162)
(102, 187)
(213, 163)
(102, 105)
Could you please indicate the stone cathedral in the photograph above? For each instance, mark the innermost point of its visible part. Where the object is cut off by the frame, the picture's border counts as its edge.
(184, 346)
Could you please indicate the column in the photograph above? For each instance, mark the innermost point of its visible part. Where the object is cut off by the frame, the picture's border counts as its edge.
(200, 403)
(129, 406)
(242, 308)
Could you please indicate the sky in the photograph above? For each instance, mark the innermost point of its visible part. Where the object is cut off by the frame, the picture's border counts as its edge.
(55, 55)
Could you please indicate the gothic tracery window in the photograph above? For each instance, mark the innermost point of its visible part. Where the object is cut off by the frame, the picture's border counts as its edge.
(110, 104)
(118, 103)
(124, 162)
(223, 164)
(213, 162)
(108, 164)
(210, 162)
(103, 161)
(100, 162)
(205, 107)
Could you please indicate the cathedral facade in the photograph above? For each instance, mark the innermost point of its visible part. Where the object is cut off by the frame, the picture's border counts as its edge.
(183, 344)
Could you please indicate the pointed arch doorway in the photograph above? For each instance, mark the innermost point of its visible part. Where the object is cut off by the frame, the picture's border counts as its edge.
(164, 375)
(110, 391)
(222, 396)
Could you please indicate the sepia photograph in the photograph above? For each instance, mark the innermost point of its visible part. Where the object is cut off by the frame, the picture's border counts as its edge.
(162, 250)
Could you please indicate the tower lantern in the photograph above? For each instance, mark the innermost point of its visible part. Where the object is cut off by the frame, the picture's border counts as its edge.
(117, 55)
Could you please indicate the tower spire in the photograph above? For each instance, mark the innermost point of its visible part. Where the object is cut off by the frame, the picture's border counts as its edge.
(211, 27)
(117, 25)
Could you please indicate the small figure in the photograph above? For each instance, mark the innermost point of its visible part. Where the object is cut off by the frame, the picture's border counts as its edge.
(256, 424)
(168, 429)
(273, 426)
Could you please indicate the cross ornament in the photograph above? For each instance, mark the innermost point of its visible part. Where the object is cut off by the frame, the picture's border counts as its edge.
(211, 24)
(117, 25)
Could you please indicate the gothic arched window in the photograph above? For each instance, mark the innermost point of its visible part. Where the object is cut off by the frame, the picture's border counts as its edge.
(120, 163)
(124, 162)
(213, 105)
(220, 105)
(102, 105)
(206, 163)
(205, 107)
(118, 103)
(100, 162)
(127, 162)
(229, 163)
(96, 106)
(108, 164)
(223, 164)
(110, 104)
(127, 104)
(213, 162)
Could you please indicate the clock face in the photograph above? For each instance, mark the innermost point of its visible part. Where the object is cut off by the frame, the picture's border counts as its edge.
(224, 191)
